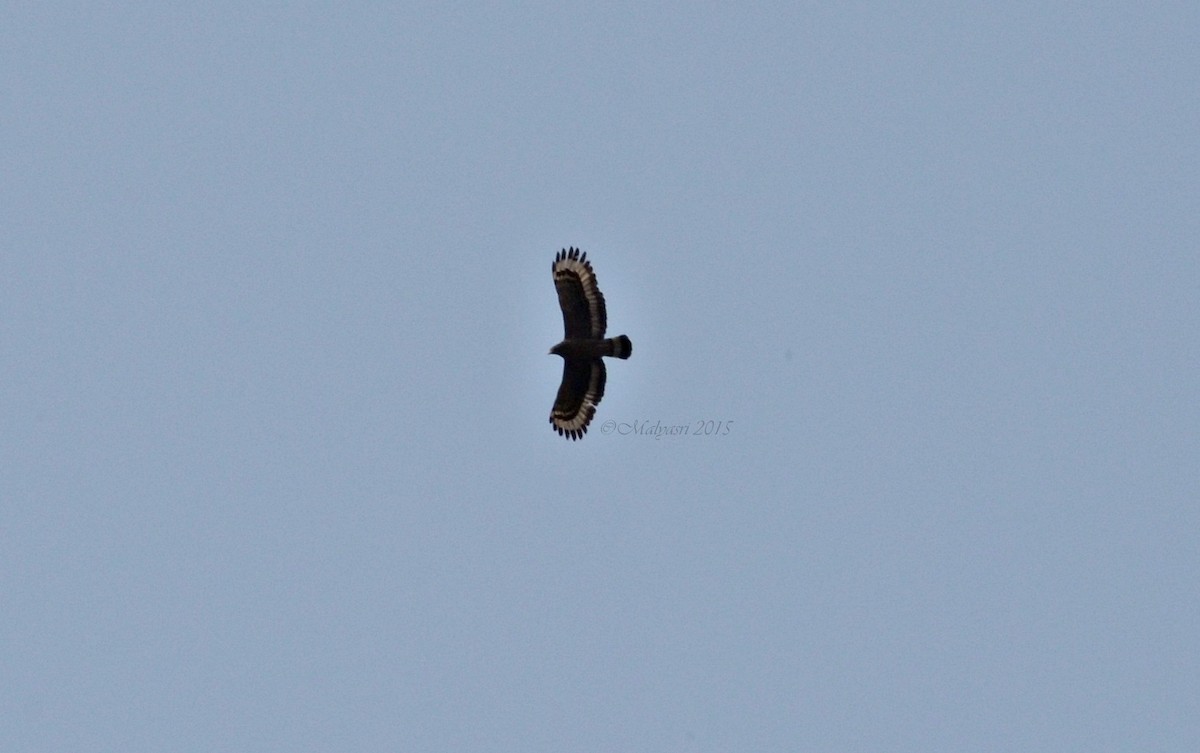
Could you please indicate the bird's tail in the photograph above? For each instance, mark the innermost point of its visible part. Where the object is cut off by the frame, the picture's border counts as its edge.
(619, 347)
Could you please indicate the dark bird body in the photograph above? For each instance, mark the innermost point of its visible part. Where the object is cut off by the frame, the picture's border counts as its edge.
(583, 346)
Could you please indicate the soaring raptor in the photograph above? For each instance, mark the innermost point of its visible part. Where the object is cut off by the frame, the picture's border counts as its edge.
(584, 320)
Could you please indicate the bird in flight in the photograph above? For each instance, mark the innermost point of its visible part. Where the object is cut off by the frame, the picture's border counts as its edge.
(583, 345)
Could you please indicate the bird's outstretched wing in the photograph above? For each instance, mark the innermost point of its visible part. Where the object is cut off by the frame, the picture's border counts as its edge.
(579, 297)
(580, 392)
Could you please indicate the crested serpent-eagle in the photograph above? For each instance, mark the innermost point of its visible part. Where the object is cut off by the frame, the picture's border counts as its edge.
(583, 345)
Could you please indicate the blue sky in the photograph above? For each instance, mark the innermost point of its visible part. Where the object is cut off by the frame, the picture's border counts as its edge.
(275, 301)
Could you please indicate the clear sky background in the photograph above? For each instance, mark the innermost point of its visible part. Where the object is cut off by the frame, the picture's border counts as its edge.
(275, 300)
